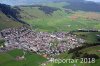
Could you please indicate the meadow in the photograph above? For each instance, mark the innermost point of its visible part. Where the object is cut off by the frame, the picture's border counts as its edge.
(60, 20)
(31, 59)
(89, 37)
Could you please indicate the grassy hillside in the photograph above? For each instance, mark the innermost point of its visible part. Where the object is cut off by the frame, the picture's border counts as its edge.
(6, 22)
(9, 59)
(60, 20)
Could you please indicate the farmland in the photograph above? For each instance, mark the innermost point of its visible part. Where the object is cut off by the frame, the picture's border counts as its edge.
(60, 20)
(9, 59)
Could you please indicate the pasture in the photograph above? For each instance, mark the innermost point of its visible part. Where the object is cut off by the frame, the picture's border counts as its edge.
(60, 20)
(9, 59)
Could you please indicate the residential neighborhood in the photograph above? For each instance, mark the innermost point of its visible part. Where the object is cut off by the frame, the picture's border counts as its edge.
(39, 42)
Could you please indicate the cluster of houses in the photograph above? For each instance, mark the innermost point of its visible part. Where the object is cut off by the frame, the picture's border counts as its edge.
(39, 42)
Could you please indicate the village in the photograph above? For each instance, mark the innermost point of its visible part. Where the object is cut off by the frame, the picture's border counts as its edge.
(39, 42)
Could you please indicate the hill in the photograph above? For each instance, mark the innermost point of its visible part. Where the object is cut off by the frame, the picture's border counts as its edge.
(61, 19)
(34, 2)
(56, 15)
(9, 17)
(83, 5)
(6, 22)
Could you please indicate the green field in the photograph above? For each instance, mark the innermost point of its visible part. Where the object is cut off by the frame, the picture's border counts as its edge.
(31, 59)
(91, 50)
(90, 37)
(60, 20)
